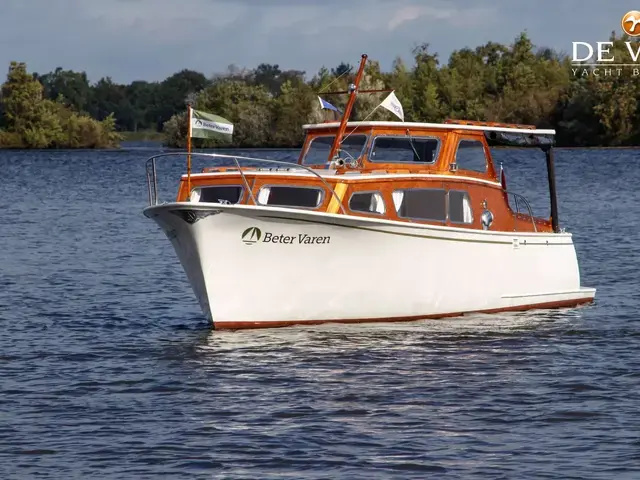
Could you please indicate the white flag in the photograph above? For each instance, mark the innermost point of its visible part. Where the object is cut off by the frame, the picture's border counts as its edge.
(392, 104)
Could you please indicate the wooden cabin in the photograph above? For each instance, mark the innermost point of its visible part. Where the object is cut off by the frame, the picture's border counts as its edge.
(438, 174)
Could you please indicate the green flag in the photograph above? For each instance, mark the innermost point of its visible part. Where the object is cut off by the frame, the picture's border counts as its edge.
(207, 125)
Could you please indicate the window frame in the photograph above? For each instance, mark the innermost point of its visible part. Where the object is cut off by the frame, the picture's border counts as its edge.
(404, 137)
(366, 136)
(466, 192)
(368, 212)
(484, 152)
(447, 218)
(241, 198)
(270, 185)
(446, 205)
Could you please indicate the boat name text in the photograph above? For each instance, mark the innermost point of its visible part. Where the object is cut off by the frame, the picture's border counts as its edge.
(255, 235)
(301, 238)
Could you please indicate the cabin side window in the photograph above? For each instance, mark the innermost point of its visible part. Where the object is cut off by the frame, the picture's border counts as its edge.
(287, 196)
(368, 202)
(433, 204)
(227, 194)
(470, 155)
(421, 203)
(460, 207)
(319, 148)
(405, 149)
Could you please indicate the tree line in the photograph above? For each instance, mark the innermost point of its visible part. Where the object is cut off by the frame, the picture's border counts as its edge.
(516, 83)
(30, 120)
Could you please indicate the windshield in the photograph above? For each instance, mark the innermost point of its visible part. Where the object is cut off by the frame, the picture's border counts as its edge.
(405, 149)
(319, 148)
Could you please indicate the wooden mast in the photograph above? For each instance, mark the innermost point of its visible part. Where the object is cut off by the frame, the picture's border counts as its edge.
(347, 111)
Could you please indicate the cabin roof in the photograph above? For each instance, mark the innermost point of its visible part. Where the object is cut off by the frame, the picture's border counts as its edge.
(444, 126)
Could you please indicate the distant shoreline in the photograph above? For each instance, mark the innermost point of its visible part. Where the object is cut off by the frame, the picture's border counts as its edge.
(142, 136)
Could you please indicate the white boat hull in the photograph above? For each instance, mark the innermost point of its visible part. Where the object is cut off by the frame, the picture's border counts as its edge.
(265, 267)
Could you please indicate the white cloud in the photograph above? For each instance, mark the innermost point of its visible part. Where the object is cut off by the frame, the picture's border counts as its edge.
(415, 12)
(454, 16)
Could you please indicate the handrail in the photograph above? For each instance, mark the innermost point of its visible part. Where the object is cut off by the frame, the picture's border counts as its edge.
(517, 196)
(151, 171)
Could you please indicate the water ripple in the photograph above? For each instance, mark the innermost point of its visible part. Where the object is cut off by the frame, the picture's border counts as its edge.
(108, 369)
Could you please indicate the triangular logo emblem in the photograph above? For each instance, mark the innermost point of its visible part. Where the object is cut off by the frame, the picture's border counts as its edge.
(251, 235)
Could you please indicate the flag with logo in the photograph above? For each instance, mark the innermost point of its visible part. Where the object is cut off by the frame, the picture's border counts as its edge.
(208, 125)
(392, 104)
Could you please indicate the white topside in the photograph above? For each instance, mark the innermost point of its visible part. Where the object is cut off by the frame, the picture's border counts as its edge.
(444, 126)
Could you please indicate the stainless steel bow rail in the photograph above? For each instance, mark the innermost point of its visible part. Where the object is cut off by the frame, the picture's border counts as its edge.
(152, 177)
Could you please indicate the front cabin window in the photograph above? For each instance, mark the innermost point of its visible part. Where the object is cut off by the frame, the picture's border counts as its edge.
(433, 204)
(287, 196)
(405, 149)
(470, 155)
(367, 202)
(319, 148)
(227, 194)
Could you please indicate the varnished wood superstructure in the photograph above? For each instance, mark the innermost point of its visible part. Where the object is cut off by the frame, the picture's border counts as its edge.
(484, 188)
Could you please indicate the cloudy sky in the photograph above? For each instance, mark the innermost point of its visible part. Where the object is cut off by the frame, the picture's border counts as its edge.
(151, 39)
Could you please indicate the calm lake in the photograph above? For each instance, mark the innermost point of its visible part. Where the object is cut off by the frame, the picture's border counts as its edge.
(109, 370)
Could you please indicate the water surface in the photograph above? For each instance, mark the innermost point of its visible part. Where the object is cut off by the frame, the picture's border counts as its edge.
(108, 369)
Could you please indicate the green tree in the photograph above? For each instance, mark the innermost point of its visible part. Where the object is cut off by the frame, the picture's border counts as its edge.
(248, 107)
(73, 86)
(31, 121)
(293, 108)
(171, 94)
(26, 112)
(399, 80)
(426, 99)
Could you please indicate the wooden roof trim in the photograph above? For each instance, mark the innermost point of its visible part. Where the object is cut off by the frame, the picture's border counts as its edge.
(442, 126)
